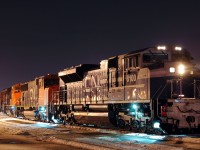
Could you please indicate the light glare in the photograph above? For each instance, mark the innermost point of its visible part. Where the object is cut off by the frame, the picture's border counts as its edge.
(181, 69)
(161, 47)
(12, 107)
(177, 48)
(134, 106)
(171, 69)
(181, 95)
(156, 125)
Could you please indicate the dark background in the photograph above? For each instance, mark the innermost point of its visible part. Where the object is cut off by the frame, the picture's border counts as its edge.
(41, 37)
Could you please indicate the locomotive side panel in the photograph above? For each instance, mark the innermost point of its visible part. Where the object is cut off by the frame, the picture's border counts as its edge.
(41, 91)
(5, 99)
(116, 91)
(32, 94)
(74, 93)
(16, 95)
(24, 95)
(116, 79)
(138, 85)
(127, 82)
(95, 86)
(46, 84)
(71, 86)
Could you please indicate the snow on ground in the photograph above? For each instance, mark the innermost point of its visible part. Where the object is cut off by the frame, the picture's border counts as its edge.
(48, 132)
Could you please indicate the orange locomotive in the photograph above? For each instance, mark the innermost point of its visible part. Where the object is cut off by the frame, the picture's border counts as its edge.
(27, 99)
(16, 95)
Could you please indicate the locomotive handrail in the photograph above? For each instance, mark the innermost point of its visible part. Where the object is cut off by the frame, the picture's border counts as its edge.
(162, 90)
(160, 94)
(196, 87)
(156, 92)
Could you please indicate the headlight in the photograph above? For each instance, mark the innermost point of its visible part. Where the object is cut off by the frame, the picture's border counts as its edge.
(172, 70)
(181, 69)
(156, 125)
(161, 48)
(178, 48)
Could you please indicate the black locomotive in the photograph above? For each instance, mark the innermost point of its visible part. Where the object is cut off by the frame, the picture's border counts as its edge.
(137, 90)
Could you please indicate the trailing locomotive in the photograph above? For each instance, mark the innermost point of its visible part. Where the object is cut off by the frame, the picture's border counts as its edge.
(32, 99)
(155, 88)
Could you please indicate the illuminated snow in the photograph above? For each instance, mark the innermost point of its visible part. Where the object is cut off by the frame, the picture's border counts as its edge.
(114, 140)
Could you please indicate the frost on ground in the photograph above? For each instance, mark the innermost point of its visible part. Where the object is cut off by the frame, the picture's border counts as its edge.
(46, 132)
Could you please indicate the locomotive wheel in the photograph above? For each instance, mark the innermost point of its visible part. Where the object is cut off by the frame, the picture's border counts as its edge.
(112, 116)
(38, 118)
(121, 123)
(64, 122)
(69, 120)
(72, 119)
(136, 126)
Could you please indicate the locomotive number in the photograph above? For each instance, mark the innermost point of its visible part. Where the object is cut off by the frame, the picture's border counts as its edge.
(131, 78)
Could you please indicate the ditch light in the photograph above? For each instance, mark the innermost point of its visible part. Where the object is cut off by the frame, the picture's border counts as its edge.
(156, 125)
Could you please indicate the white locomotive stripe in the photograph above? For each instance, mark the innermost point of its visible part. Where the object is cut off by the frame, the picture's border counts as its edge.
(134, 86)
(102, 114)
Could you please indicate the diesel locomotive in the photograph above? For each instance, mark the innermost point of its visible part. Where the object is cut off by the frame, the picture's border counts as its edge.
(155, 88)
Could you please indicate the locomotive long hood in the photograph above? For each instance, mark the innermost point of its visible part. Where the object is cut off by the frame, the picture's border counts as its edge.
(74, 74)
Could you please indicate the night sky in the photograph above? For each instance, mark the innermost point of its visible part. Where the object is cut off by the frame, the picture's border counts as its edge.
(41, 37)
